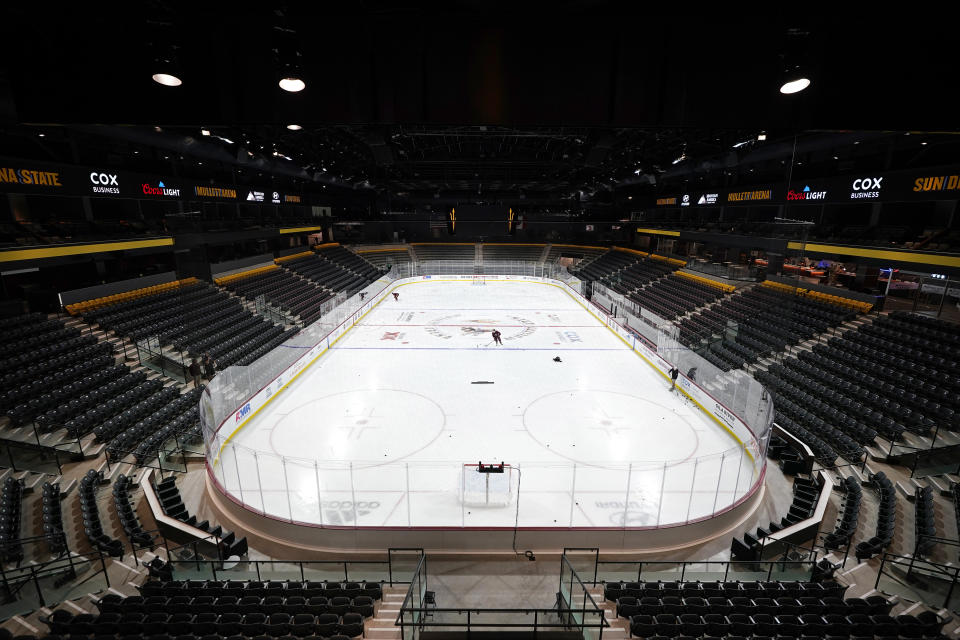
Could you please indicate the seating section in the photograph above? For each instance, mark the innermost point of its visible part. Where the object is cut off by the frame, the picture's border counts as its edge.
(52, 514)
(849, 514)
(606, 265)
(88, 306)
(172, 505)
(886, 518)
(43, 363)
(92, 526)
(283, 289)
(865, 385)
(806, 494)
(925, 529)
(764, 320)
(384, 257)
(558, 251)
(128, 515)
(197, 609)
(816, 412)
(675, 296)
(143, 432)
(430, 251)
(11, 512)
(527, 253)
(335, 269)
(760, 609)
(636, 275)
(194, 319)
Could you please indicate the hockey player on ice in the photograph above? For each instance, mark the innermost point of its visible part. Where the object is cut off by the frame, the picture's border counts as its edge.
(496, 337)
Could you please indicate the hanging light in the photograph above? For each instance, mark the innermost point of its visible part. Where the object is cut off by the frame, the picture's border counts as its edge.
(794, 86)
(293, 84)
(294, 127)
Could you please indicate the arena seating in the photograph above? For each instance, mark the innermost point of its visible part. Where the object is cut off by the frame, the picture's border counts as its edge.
(126, 511)
(806, 493)
(348, 260)
(925, 529)
(675, 296)
(526, 253)
(11, 512)
(606, 265)
(760, 609)
(429, 251)
(636, 275)
(849, 514)
(886, 518)
(194, 318)
(766, 320)
(52, 514)
(335, 269)
(197, 608)
(179, 418)
(92, 526)
(297, 296)
(383, 257)
(585, 254)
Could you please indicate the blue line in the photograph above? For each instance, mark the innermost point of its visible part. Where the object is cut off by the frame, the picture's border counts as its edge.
(475, 349)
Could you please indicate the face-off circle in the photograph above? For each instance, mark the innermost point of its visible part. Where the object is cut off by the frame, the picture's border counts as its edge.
(356, 425)
(477, 328)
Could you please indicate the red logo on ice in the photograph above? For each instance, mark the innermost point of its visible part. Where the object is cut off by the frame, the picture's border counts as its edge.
(390, 335)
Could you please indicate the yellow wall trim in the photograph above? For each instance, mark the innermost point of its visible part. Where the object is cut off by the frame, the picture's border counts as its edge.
(326, 245)
(878, 254)
(85, 306)
(729, 288)
(300, 229)
(293, 257)
(658, 232)
(245, 274)
(404, 249)
(80, 249)
(443, 244)
(633, 251)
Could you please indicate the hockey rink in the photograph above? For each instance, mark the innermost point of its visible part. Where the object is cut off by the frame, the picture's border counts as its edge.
(377, 430)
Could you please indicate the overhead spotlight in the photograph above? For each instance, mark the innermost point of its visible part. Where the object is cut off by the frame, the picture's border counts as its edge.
(761, 137)
(923, 143)
(794, 86)
(43, 135)
(167, 79)
(205, 132)
(294, 127)
(683, 156)
(794, 58)
(292, 84)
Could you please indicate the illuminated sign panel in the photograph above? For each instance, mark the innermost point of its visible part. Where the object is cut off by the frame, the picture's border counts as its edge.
(806, 194)
(936, 183)
(215, 192)
(758, 195)
(30, 176)
(667, 202)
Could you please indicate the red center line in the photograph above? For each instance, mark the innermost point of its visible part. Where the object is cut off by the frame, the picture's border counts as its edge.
(542, 326)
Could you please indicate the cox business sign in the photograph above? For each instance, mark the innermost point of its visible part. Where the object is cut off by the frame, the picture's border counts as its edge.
(104, 183)
(866, 188)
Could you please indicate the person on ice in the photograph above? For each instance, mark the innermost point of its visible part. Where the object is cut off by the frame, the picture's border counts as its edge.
(496, 337)
(396, 296)
(674, 372)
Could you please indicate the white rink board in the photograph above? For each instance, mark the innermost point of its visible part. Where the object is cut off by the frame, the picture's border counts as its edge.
(391, 413)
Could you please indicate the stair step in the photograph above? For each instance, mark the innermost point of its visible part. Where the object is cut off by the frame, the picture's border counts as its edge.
(28, 629)
(906, 488)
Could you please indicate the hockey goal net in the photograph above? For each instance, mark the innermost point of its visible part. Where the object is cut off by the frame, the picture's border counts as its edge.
(487, 489)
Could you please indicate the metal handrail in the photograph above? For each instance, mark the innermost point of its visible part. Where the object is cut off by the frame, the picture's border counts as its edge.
(683, 565)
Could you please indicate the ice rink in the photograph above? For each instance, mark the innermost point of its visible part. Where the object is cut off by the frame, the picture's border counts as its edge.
(376, 432)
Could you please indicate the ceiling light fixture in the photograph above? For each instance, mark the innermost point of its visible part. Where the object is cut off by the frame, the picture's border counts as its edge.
(794, 86)
(205, 132)
(292, 84)
(761, 137)
(683, 156)
(167, 79)
(294, 127)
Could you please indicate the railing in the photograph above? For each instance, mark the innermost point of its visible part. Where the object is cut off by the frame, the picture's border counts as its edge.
(389, 571)
(27, 587)
(920, 580)
(575, 610)
(727, 271)
(707, 570)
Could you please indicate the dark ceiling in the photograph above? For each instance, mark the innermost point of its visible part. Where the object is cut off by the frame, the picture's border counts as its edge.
(473, 97)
